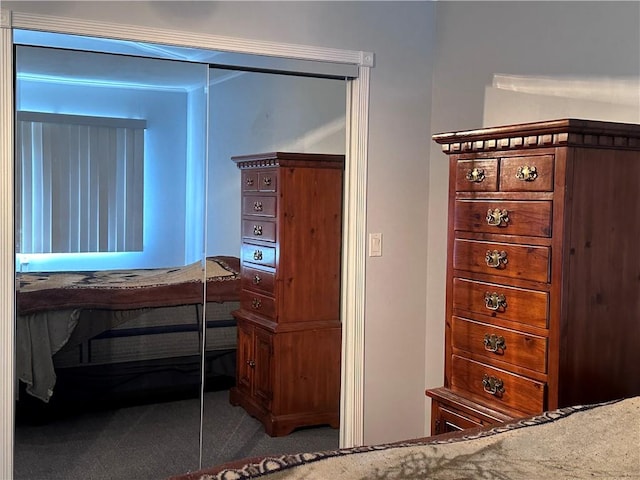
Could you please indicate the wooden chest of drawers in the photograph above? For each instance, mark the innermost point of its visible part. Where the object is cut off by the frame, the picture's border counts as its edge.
(289, 331)
(543, 275)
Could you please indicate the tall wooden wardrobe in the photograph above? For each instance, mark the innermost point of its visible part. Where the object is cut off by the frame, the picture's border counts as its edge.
(289, 330)
(543, 272)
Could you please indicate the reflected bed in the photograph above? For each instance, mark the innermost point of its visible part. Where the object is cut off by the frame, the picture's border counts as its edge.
(132, 318)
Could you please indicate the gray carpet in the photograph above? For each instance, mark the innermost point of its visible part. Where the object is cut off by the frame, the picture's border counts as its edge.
(151, 441)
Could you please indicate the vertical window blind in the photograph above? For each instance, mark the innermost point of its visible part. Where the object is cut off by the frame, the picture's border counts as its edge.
(79, 183)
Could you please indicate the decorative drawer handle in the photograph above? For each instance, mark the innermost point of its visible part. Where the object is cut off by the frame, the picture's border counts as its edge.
(493, 385)
(257, 255)
(257, 230)
(256, 303)
(257, 206)
(494, 343)
(266, 181)
(496, 259)
(497, 217)
(257, 279)
(251, 363)
(249, 182)
(527, 173)
(476, 175)
(495, 301)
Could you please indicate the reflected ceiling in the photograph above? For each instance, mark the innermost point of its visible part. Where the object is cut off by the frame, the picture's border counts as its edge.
(98, 60)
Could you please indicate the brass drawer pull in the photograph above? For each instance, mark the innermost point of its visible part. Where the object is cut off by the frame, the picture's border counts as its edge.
(495, 301)
(256, 303)
(493, 385)
(476, 175)
(249, 182)
(527, 173)
(496, 259)
(257, 230)
(251, 363)
(266, 181)
(257, 255)
(497, 217)
(494, 343)
(257, 206)
(256, 279)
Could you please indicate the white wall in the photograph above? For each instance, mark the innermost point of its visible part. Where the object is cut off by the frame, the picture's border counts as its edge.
(591, 44)
(400, 35)
(254, 112)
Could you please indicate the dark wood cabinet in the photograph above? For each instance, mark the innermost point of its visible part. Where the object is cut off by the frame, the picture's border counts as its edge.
(543, 272)
(452, 412)
(289, 330)
(254, 376)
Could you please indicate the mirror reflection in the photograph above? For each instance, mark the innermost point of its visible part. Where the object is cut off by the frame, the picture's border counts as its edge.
(110, 162)
(127, 245)
(251, 113)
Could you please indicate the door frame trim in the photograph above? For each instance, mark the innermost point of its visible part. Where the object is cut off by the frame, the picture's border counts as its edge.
(355, 198)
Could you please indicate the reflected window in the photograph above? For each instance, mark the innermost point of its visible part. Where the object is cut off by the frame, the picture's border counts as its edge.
(110, 167)
(81, 183)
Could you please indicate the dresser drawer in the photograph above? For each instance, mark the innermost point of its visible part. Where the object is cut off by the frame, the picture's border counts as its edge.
(505, 217)
(258, 303)
(497, 387)
(527, 262)
(259, 230)
(268, 181)
(258, 280)
(477, 175)
(526, 174)
(258, 254)
(259, 181)
(259, 206)
(517, 348)
(519, 305)
(249, 181)
(450, 420)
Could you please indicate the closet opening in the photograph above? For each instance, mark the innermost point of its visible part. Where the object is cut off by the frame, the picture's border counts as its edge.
(172, 347)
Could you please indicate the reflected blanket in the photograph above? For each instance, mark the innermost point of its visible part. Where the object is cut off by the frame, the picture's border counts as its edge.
(127, 289)
(49, 305)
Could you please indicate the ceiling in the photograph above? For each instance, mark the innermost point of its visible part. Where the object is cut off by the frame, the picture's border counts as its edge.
(69, 66)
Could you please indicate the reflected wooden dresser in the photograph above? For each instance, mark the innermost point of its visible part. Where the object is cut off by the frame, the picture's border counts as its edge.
(289, 331)
(543, 272)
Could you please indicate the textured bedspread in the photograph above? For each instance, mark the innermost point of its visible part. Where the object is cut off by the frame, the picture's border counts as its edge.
(582, 442)
(127, 289)
(49, 306)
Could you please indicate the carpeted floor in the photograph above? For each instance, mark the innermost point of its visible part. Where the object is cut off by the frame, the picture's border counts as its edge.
(153, 441)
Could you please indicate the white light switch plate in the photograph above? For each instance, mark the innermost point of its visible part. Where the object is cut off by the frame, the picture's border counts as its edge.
(375, 244)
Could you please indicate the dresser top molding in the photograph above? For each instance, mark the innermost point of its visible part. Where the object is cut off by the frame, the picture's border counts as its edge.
(553, 133)
(285, 159)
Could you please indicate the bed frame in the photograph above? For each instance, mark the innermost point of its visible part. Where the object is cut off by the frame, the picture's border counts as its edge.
(124, 331)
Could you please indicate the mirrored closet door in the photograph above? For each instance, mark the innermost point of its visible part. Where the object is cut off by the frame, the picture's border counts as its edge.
(128, 243)
(256, 112)
(110, 202)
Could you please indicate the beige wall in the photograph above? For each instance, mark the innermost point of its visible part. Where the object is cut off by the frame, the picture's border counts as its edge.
(399, 34)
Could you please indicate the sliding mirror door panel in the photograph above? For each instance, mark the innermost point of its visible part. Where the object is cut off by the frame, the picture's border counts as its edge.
(110, 212)
(254, 112)
(128, 259)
